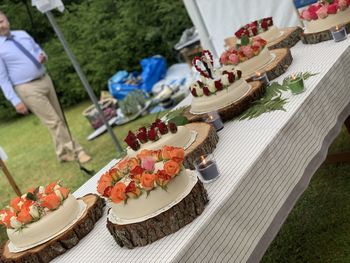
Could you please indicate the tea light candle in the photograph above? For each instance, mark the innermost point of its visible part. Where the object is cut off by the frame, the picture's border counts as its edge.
(207, 168)
(296, 84)
(339, 33)
(215, 120)
(262, 77)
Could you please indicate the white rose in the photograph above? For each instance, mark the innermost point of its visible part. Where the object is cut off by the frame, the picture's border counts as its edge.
(200, 91)
(14, 223)
(224, 80)
(56, 187)
(2, 216)
(59, 195)
(41, 189)
(33, 211)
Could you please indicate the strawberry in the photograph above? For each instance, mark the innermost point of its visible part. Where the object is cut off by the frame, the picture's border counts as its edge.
(143, 129)
(163, 129)
(218, 85)
(142, 136)
(153, 134)
(194, 92)
(206, 91)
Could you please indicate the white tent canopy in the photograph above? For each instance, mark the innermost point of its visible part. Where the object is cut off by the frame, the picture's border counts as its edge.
(219, 19)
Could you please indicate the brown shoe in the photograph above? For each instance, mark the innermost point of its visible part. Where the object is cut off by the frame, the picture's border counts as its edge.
(83, 157)
(67, 158)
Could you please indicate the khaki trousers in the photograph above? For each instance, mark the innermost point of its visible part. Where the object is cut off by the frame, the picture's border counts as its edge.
(40, 97)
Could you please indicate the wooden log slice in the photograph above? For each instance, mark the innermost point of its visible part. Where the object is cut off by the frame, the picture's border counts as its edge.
(166, 223)
(235, 109)
(291, 36)
(205, 143)
(318, 37)
(277, 67)
(65, 241)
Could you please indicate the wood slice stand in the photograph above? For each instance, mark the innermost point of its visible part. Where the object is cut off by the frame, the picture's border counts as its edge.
(318, 37)
(65, 241)
(235, 109)
(290, 37)
(205, 143)
(168, 222)
(277, 67)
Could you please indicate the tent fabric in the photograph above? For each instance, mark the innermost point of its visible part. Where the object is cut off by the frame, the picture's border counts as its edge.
(217, 20)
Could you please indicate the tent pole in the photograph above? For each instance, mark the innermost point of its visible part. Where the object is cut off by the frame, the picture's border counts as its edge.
(82, 78)
(212, 48)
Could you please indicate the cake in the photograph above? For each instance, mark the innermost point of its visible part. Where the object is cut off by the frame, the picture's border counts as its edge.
(143, 186)
(249, 56)
(216, 88)
(325, 15)
(263, 28)
(38, 215)
(156, 136)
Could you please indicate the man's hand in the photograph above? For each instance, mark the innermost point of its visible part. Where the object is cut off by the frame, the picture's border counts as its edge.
(42, 58)
(21, 108)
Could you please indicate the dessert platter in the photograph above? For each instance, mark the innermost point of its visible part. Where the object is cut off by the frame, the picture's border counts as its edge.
(195, 138)
(222, 89)
(46, 222)
(322, 17)
(265, 28)
(151, 196)
(251, 55)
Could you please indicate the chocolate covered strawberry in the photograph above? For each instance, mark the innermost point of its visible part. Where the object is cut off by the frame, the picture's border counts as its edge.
(153, 135)
(172, 127)
(163, 129)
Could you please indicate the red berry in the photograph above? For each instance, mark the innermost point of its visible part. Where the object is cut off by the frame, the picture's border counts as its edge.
(163, 129)
(218, 85)
(142, 136)
(194, 92)
(172, 127)
(153, 135)
(206, 91)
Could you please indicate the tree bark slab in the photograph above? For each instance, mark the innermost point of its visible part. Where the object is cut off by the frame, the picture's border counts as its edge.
(65, 241)
(291, 36)
(235, 109)
(205, 143)
(168, 222)
(318, 37)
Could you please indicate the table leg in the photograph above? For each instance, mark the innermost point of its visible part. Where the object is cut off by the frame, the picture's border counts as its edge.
(343, 157)
(10, 178)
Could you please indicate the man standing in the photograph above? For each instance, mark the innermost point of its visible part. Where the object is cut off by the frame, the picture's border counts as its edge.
(26, 85)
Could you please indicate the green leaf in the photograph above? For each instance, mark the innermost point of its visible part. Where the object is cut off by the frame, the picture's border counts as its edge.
(179, 120)
(244, 40)
(31, 196)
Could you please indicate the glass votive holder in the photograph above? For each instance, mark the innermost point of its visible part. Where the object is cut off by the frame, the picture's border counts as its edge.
(339, 33)
(207, 168)
(262, 77)
(296, 84)
(215, 120)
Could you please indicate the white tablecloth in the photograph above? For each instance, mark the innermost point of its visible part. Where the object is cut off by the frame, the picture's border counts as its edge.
(265, 163)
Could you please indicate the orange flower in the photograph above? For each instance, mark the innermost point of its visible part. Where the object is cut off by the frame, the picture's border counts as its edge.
(147, 181)
(15, 203)
(172, 168)
(132, 190)
(64, 192)
(163, 178)
(158, 155)
(7, 219)
(24, 216)
(123, 164)
(144, 153)
(177, 155)
(118, 193)
(104, 182)
(50, 188)
(166, 152)
(133, 162)
(51, 201)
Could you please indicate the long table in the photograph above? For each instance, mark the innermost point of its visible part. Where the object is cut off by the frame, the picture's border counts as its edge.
(265, 164)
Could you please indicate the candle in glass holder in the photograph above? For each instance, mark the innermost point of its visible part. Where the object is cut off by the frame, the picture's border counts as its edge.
(296, 84)
(207, 168)
(339, 33)
(215, 120)
(262, 77)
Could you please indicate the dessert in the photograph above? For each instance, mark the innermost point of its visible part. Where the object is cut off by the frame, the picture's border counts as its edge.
(156, 136)
(216, 88)
(146, 185)
(250, 56)
(325, 15)
(38, 215)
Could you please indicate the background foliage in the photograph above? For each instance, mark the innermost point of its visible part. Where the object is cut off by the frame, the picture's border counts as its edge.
(105, 35)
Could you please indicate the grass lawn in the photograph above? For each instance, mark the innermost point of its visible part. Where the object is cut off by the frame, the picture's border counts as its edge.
(317, 230)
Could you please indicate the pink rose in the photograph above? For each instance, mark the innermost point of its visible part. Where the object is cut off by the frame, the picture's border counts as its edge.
(333, 8)
(322, 12)
(233, 58)
(147, 163)
(313, 15)
(305, 14)
(224, 58)
(247, 51)
(343, 4)
(314, 8)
